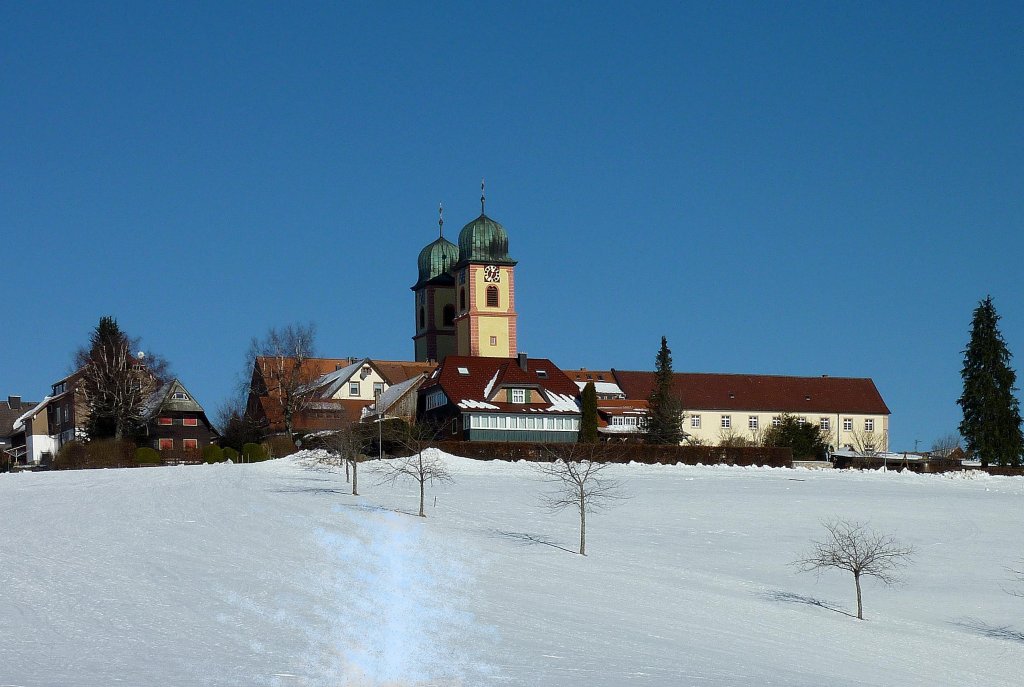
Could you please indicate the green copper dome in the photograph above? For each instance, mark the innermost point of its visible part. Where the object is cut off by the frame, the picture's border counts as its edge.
(436, 258)
(484, 240)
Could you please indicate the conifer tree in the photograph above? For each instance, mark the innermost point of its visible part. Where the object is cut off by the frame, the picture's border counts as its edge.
(116, 382)
(664, 418)
(588, 423)
(992, 425)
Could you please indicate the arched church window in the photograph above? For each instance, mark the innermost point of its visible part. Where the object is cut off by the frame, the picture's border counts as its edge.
(462, 299)
(448, 316)
(423, 318)
(492, 296)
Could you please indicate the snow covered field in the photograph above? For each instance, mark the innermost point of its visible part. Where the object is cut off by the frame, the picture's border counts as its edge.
(271, 574)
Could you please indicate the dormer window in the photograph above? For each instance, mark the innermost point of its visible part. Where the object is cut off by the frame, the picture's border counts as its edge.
(518, 395)
(543, 374)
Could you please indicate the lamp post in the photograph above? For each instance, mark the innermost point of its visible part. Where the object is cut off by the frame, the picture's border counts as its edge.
(380, 430)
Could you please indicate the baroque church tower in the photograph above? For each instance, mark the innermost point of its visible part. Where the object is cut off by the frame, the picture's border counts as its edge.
(466, 305)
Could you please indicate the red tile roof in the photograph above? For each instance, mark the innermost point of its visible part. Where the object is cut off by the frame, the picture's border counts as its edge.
(398, 371)
(584, 375)
(768, 392)
(496, 373)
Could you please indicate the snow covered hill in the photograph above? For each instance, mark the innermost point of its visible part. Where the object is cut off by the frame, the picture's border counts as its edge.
(272, 574)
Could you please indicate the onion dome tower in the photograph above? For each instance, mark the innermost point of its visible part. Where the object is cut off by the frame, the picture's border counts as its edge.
(435, 297)
(485, 286)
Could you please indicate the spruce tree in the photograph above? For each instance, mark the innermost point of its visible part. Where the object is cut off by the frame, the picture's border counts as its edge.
(664, 418)
(588, 423)
(992, 425)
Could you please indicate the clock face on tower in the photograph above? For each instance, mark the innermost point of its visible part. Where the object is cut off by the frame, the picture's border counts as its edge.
(492, 274)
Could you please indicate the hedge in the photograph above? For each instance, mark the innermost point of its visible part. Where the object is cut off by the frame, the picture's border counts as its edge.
(624, 453)
(147, 456)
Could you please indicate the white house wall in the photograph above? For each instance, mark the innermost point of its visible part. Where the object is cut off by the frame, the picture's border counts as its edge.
(712, 432)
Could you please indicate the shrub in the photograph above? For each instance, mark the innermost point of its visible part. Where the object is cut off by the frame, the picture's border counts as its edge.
(212, 453)
(109, 453)
(230, 454)
(145, 455)
(70, 457)
(279, 446)
(253, 453)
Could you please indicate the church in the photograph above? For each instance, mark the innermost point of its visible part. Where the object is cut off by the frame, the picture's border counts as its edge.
(465, 294)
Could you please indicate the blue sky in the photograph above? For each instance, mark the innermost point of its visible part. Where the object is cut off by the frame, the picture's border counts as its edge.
(788, 188)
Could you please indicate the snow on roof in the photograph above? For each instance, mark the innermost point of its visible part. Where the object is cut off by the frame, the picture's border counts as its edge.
(603, 387)
(469, 404)
(562, 403)
(490, 384)
(19, 424)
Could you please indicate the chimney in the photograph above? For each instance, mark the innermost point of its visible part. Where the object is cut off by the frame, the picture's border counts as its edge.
(522, 361)
(14, 402)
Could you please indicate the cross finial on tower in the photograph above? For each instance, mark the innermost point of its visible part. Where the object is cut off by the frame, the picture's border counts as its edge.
(440, 220)
(483, 196)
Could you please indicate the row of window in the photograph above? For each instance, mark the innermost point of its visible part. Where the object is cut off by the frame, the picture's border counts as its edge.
(753, 422)
(354, 389)
(627, 421)
(185, 421)
(554, 424)
(186, 444)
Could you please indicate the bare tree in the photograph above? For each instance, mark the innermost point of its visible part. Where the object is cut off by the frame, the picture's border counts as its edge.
(424, 464)
(946, 444)
(858, 549)
(281, 371)
(347, 446)
(869, 444)
(118, 379)
(581, 483)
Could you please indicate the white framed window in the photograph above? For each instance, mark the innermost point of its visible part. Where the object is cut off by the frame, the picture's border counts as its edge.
(726, 421)
(378, 388)
(519, 395)
(531, 423)
(695, 421)
(179, 396)
(869, 425)
(801, 421)
(776, 421)
(847, 424)
(825, 424)
(752, 422)
(353, 388)
(494, 341)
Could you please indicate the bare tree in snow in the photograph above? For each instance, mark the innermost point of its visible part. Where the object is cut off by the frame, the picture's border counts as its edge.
(861, 551)
(424, 464)
(281, 370)
(946, 444)
(346, 446)
(580, 482)
(869, 443)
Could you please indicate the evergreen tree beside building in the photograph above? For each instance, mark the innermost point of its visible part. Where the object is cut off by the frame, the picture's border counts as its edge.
(588, 421)
(991, 425)
(664, 418)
